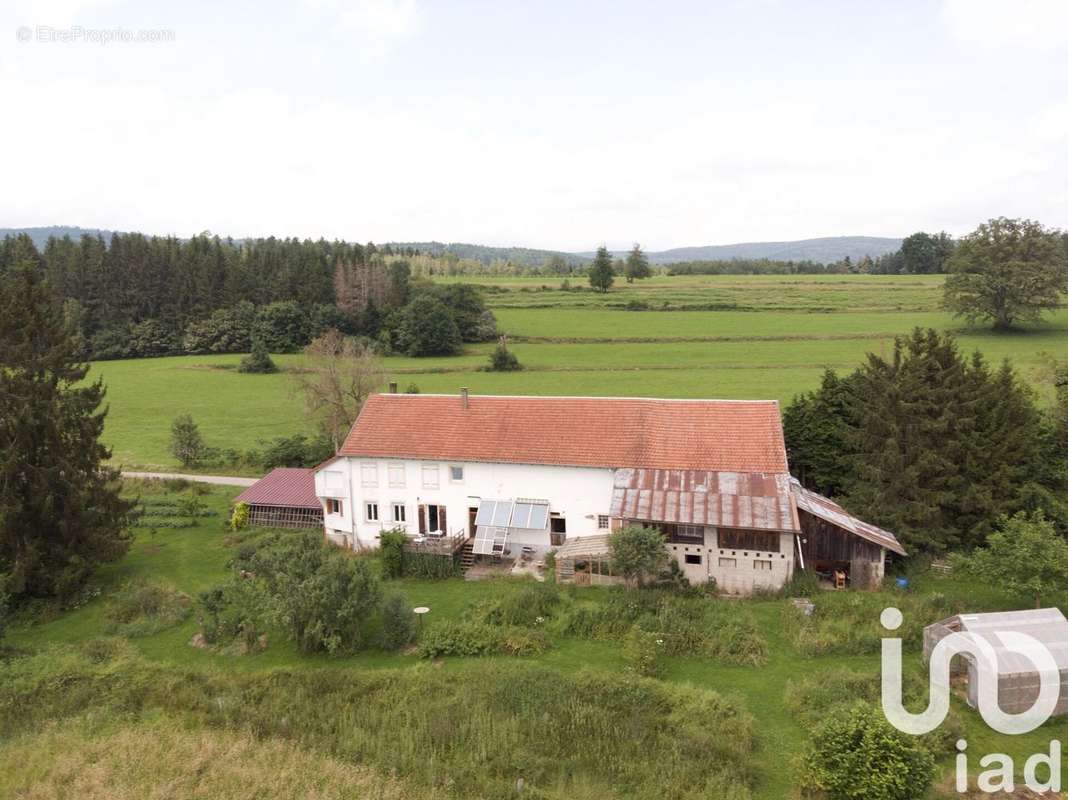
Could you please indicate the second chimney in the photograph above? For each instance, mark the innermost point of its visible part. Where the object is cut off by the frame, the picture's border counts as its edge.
(464, 396)
(392, 387)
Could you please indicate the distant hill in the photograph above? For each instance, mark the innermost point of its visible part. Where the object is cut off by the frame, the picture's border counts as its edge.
(824, 250)
(40, 236)
(524, 256)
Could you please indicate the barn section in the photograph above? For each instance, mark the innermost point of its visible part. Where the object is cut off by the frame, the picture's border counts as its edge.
(284, 498)
(1018, 681)
(834, 541)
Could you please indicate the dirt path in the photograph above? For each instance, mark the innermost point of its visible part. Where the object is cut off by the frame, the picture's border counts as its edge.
(222, 480)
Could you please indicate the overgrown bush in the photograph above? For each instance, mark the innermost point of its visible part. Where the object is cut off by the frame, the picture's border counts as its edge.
(480, 639)
(502, 359)
(391, 552)
(295, 451)
(398, 621)
(847, 623)
(856, 753)
(235, 612)
(322, 595)
(239, 517)
(641, 652)
(142, 608)
(528, 606)
(698, 625)
(187, 445)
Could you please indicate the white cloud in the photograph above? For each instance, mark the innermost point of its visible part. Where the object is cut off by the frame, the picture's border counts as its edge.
(1007, 23)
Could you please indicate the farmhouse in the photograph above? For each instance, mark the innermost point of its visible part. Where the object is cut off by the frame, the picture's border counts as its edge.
(509, 476)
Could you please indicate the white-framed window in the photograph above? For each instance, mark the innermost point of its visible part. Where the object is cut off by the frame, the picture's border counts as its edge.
(335, 507)
(430, 476)
(400, 513)
(370, 511)
(456, 473)
(761, 565)
(602, 522)
(695, 532)
(728, 562)
(369, 473)
(396, 476)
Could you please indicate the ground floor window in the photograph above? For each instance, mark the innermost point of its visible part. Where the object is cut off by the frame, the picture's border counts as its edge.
(399, 514)
(335, 507)
(602, 522)
(728, 562)
(693, 558)
(761, 564)
(371, 510)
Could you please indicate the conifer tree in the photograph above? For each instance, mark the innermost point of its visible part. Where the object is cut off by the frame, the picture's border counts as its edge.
(60, 510)
(601, 274)
(637, 266)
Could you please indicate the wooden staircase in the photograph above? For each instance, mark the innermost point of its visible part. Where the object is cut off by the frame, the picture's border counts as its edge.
(467, 555)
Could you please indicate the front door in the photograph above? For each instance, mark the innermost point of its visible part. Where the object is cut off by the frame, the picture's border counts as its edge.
(471, 514)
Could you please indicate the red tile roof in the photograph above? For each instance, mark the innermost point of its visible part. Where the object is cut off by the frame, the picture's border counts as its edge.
(284, 486)
(724, 435)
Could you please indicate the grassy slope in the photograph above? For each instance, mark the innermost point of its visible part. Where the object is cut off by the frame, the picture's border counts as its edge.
(195, 558)
(582, 343)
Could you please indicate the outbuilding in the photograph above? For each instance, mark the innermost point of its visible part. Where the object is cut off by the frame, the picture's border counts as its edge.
(284, 498)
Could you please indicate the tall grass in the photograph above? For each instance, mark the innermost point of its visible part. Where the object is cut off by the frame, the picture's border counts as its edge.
(473, 730)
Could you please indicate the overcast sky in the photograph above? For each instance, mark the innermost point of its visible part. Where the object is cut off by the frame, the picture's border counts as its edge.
(557, 125)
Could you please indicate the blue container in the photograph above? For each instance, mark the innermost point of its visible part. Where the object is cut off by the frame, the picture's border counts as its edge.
(902, 583)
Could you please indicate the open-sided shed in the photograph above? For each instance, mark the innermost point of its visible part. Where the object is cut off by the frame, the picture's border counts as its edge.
(284, 498)
(1018, 681)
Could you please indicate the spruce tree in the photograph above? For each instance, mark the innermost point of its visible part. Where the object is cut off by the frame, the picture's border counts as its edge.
(258, 361)
(601, 274)
(60, 510)
(637, 266)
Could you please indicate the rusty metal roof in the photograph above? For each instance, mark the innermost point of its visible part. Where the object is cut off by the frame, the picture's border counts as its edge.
(284, 486)
(756, 500)
(830, 511)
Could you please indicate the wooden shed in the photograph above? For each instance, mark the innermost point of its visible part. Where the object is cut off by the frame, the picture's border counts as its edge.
(284, 498)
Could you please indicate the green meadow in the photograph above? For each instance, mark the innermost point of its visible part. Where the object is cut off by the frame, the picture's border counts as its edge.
(730, 336)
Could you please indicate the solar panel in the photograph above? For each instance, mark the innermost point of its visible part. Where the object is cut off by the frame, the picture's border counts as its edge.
(503, 513)
(539, 516)
(485, 512)
(521, 515)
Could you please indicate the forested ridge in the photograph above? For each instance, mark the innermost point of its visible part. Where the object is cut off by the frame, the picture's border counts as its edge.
(135, 295)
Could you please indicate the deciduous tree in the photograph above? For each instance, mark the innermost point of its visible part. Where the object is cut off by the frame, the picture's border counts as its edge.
(637, 553)
(336, 378)
(1007, 270)
(637, 266)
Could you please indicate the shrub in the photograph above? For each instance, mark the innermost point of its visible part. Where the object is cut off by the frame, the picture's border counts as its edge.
(295, 451)
(637, 552)
(391, 551)
(856, 753)
(258, 361)
(398, 621)
(502, 359)
(641, 652)
(698, 625)
(480, 639)
(847, 623)
(236, 611)
(528, 606)
(142, 608)
(239, 517)
(187, 445)
(322, 595)
(190, 506)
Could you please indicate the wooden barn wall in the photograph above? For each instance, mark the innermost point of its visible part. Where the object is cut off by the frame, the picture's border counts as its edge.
(823, 541)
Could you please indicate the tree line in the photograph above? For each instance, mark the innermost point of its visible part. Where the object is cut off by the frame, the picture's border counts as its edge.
(137, 296)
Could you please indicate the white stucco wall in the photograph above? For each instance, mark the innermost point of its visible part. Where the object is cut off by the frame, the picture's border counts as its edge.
(578, 494)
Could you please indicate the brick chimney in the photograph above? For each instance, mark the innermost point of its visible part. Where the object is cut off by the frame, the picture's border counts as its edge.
(464, 396)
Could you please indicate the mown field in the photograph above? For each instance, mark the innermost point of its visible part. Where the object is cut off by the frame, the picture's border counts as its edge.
(720, 336)
(86, 711)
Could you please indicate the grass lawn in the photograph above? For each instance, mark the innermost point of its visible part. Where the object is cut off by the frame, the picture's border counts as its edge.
(771, 337)
(195, 558)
